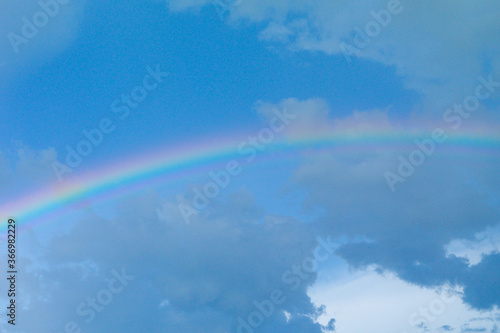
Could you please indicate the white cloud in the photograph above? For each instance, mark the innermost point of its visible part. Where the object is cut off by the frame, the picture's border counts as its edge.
(23, 43)
(366, 301)
(438, 47)
(483, 243)
(310, 115)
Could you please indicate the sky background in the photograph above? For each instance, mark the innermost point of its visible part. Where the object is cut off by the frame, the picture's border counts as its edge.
(422, 258)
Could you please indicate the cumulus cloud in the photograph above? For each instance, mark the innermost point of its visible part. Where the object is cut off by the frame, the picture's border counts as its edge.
(439, 48)
(407, 231)
(210, 271)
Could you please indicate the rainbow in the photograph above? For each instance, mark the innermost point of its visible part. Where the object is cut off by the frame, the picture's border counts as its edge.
(160, 166)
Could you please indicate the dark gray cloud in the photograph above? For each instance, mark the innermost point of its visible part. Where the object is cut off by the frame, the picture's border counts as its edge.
(188, 278)
(405, 231)
(482, 283)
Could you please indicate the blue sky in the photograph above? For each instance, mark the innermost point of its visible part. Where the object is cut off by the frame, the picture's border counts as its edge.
(432, 245)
